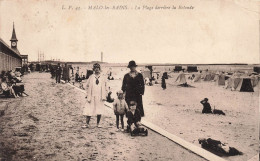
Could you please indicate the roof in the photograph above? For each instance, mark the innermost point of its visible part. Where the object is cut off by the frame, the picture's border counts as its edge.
(14, 35)
(15, 51)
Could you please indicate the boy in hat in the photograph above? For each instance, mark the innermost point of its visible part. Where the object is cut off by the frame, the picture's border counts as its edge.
(206, 106)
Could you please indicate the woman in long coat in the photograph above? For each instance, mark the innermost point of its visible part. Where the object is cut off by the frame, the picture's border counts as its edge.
(96, 95)
(66, 73)
(163, 83)
(133, 87)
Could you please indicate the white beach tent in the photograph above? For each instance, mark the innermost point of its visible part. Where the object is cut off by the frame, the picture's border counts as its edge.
(197, 77)
(181, 78)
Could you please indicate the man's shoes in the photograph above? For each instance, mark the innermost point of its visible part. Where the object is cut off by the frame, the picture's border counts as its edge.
(99, 126)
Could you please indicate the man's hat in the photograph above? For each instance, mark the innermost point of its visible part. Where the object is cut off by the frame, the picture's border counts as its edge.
(206, 99)
(131, 64)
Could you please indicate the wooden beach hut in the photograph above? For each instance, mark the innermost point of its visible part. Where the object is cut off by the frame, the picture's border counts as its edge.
(192, 69)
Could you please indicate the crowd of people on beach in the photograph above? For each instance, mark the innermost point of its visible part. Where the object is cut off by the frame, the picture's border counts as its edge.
(11, 84)
(129, 97)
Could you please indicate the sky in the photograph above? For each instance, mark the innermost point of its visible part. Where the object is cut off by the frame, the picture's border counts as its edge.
(225, 31)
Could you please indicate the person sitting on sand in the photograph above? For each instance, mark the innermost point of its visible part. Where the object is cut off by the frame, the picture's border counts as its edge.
(109, 98)
(206, 106)
(120, 108)
(8, 90)
(134, 116)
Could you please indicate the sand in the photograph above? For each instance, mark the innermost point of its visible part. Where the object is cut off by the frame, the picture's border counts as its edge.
(178, 110)
(46, 125)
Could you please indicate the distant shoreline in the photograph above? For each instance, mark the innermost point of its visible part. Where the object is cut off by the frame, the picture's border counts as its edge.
(142, 64)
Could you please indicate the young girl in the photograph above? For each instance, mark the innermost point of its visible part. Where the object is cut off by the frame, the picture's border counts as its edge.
(96, 95)
(120, 108)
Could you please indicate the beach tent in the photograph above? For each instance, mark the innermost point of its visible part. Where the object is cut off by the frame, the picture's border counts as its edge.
(197, 78)
(203, 74)
(216, 77)
(177, 68)
(221, 80)
(147, 73)
(209, 77)
(233, 82)
(192, 69)
(181, 78)
(254, 80)
(245, 85)
(242, 84)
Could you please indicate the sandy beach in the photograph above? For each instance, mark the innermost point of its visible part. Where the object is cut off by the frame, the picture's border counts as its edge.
(46, 125)
(179, 112)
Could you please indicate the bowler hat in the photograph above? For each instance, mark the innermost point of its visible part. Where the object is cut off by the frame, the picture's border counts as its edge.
(131, 64)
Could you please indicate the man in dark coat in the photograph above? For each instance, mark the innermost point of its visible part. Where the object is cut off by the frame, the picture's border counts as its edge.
(66, 73)
(133, 87)
(163, 82)
(58, 73)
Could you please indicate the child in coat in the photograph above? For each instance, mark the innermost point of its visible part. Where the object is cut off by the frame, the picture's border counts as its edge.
(120, 108)
(134, 116)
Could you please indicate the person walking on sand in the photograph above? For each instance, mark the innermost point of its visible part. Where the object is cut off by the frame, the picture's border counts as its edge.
(58, 73)
(96, 87)
(133, 86)
(163, 82)
(65, 73)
